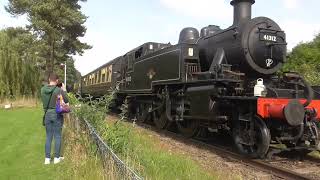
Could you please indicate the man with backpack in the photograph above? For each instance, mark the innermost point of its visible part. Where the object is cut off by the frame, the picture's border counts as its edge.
(52, 120)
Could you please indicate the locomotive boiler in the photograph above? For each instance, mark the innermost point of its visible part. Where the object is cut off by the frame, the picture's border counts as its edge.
(218, 80)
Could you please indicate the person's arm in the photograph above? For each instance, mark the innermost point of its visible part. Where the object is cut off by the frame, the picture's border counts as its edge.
(65, 97)
(63, 87)
(42, 97)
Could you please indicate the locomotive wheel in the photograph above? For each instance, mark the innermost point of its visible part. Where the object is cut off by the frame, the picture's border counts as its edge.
(188, 127)
(142, 113)
(316, 131)
(261, 140)
(160, 119)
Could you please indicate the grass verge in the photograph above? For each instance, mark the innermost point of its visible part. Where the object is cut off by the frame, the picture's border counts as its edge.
(145, 155)
(22, 138)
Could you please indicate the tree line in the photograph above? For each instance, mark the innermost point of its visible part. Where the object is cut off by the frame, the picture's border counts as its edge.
(29, 54)
(305, 59)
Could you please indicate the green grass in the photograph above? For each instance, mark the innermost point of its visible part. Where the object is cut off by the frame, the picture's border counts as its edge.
(158, 163)
(315, 154)
(22, 139)
(145, 155)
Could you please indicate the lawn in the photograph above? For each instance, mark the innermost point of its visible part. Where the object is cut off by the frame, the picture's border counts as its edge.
(22, 139)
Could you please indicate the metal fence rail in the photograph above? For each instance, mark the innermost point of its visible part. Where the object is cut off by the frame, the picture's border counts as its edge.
(110, 160)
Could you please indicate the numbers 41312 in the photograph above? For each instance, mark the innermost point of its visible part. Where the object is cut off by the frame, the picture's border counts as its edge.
(270, 38)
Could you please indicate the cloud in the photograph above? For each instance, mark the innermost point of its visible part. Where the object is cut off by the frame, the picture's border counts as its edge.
(291, 4)
(217, 9)
(105, 48)
(298, 31)
(100, 53)
(6, 20)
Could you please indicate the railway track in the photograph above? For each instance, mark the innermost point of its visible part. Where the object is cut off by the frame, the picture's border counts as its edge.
(261, 165)
(266, 166)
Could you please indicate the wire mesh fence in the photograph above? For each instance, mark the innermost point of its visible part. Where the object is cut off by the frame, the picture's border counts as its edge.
(114, 166)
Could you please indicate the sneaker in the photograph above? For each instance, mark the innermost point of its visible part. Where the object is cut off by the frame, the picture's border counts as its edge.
(56, 160)
(47, 161)
(61, 158)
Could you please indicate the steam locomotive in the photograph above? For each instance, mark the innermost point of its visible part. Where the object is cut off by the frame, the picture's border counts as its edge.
(218, 80)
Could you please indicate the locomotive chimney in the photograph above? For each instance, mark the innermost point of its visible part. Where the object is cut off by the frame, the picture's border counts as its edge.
(241, 10)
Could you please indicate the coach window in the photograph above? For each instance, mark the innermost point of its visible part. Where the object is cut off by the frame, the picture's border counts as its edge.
(99, 77)
(110, 73)
(107, 74)
(103, 75)
(93, 79)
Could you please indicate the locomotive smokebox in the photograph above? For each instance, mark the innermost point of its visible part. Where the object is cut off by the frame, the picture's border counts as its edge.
(241, 10)
(256, 47)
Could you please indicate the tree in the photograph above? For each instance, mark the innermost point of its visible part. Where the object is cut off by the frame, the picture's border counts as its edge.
(19, 74)
(305, 59)
(59, 23)
(73, 75)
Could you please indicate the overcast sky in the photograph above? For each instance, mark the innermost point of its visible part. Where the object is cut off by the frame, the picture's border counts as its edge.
(115, 27)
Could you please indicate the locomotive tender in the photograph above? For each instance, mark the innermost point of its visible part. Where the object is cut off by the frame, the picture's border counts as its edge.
(218, 80)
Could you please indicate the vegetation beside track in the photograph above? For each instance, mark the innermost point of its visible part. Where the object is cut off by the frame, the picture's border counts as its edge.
(142, 152)
(22, 138)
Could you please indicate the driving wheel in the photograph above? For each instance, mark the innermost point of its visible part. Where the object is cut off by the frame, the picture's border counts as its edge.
(254, 144)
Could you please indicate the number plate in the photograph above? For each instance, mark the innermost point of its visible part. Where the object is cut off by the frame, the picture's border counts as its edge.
(268, 37)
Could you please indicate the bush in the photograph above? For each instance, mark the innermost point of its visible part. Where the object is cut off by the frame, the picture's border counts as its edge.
(94, 111)
(305, 59)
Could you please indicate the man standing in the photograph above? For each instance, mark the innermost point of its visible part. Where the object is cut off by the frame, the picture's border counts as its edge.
(52, 121)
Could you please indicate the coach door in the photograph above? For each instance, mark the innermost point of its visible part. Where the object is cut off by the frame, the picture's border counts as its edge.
(128, 79)
(123, 69)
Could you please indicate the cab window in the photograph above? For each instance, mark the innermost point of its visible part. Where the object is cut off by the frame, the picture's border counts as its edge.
(130, 61)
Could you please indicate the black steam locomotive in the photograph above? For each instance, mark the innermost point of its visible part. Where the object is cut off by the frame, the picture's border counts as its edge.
(220, 80)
